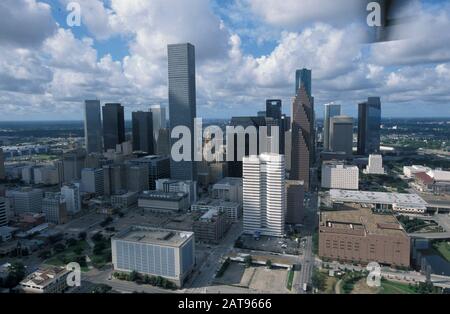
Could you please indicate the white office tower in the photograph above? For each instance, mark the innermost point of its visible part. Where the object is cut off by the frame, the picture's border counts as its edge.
(264, 194)
(71, 194)
(375, 165)
(340, 176)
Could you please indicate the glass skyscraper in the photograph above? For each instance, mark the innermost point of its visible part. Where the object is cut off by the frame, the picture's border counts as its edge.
(331, 110)
(113, 125)
(303, 76)
(92, 126)
(182, 103)
(142, 123)
(369, 121)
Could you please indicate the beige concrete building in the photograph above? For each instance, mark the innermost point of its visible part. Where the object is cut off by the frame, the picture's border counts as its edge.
(48, 280)
(356, 234)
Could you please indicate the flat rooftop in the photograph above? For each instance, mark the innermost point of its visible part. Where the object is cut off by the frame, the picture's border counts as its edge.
(149, 235)
(163, 196)
(362, 218)
(229, 181)
(377, 198)
(43, 277)
(215, 203)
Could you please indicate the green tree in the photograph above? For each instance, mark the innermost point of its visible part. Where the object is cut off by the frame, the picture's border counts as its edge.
(248, 261)
(269, 264)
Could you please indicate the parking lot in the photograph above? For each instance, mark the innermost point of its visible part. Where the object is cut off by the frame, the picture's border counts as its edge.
(257, 278)
(271, 244)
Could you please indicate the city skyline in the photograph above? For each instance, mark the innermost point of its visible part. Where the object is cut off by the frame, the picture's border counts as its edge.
(239, 64)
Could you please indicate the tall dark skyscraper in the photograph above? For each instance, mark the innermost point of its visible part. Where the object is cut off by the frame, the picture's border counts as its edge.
(92, 126)
(182, 102)
(142, 123)
(369, 121)
(303, 142)
(113, 125)
(303, 76)
(274, 108)
(235, 166)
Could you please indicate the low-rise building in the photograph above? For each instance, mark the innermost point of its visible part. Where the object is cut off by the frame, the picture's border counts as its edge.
(124, 200)
(169, 185)
(232, 210)
(357, 234)
(228, 189)
(398, 202)
(46, 280)
(212, 226)
(340, 176)
(158, 201)
(411, 171)
(156, 252)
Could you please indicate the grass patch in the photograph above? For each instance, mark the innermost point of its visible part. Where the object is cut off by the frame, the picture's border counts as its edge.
(391, 287)
(290, 279)
(73, 253)
(443, 248)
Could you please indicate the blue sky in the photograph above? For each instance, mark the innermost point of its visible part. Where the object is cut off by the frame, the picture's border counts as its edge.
(247, 51)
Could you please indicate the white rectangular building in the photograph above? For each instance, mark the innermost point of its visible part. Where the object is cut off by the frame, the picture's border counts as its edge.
(375, 165)
(156, 252)
(71, 194)
(410, 171)
(264, 201)
(339, 176)
(398, 202)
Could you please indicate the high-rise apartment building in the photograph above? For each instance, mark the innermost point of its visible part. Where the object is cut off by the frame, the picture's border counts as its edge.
(369, 122)
(331, 110)
(92, 126)
(142, 123)
(264, 191)
(341, 134)
(113, 125)
(182, 103)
